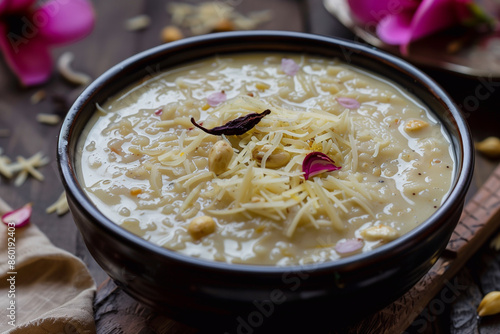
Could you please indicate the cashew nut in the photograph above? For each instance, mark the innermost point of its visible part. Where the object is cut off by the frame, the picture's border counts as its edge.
(171, 33)
(490, 304)
(415, 125)
(277, 159)
(489, 146)
(201, 226)
(219, 157)
(380, 232)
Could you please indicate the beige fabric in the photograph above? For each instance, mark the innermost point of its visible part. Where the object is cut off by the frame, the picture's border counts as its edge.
(53, 289)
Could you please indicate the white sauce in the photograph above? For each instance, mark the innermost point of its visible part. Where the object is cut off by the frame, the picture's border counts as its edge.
(141, 176)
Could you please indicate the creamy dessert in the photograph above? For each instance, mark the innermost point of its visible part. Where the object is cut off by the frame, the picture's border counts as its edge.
(271, 159)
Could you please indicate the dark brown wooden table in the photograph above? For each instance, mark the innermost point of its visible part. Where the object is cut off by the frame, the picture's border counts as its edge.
(110, 43)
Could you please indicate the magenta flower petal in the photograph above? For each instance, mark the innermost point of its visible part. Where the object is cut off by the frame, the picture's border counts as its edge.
(16, 6)
(348, 102)
(371, 12)
(66, 21)
(27, 33)
(28, 58)
(395, 29)
(18, 218)
(432, 16)
(402, 22)
(316, 163)
(289, 66)
(216, 98)
(3, 5)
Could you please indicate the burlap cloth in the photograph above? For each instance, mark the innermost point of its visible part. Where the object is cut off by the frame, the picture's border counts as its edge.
(48, 290)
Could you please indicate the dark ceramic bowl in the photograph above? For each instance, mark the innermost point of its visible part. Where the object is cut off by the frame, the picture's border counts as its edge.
(251, 296)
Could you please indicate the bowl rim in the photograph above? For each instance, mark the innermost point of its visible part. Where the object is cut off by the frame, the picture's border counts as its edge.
(386, 251)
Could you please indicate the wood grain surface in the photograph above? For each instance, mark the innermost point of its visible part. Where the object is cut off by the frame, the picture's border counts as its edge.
(110, 43)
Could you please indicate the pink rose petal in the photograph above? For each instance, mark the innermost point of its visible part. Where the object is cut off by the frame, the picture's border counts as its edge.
(18, 218)
(27, 51)
(29, 59)
(348, 102)
(289, 66)
(3, 6)
(216, 98)
(404, 21)
(67, 21)
(349, 246)
(431, 16)
(316, 163)
(370, 12)
(395, 29)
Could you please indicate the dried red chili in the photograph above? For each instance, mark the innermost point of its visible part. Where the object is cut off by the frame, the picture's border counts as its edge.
(236, 126)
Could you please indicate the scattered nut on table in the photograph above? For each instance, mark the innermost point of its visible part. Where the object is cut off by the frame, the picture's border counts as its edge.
(489, 147)
(224, 24)
(490, 304)
(171, 34)
(495, 242)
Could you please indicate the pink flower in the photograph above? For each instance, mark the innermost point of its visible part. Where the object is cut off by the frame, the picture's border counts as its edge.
(401, 22)
(316, 163)
(348, 102)
(216, 98)
(28, 32)
(289, 66)
(349, 246)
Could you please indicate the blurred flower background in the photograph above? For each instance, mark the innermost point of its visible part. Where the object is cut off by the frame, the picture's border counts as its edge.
(399, 22)
(28, 31)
